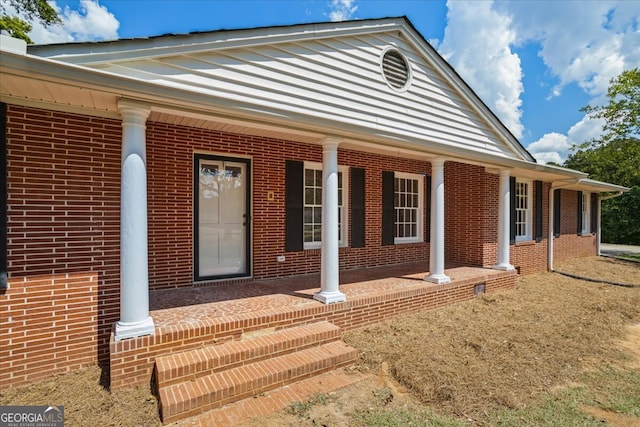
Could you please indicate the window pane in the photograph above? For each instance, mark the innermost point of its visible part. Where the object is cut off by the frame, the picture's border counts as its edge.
(318, 180)
(308, 177)
(308, 196)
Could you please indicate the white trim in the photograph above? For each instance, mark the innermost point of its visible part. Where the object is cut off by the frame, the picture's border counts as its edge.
(528, 235)
(419, 238)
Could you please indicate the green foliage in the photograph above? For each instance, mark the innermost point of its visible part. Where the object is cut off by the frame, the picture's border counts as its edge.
(39, 10)
(618, 162)
(301, 409)
(615, 157)
(622, 114)
(16, 27)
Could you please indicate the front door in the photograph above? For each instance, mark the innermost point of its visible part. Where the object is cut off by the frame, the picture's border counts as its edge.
(221, 217)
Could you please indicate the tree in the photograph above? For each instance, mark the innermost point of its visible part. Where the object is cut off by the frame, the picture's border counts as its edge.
(617, 162)
(615, 157)
(622, 114)
(33, 10)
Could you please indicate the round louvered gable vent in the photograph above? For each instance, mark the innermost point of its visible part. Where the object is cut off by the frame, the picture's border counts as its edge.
(395, 69)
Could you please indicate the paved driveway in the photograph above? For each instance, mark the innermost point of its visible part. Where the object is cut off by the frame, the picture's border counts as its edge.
(611, 249)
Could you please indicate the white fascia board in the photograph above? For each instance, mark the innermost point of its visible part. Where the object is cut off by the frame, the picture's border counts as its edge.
(112, 52)
(591, 185)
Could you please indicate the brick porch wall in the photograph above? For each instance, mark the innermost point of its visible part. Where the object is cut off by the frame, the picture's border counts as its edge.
(132, 360)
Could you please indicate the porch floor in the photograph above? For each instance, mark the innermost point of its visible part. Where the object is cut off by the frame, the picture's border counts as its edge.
(189, 305)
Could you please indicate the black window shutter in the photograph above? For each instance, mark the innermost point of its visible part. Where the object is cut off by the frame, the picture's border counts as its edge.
(294, 201)
(3, 198)
(556, 212)
(428, 227)
(357, 208)
(388, 208)
(594, 212)
(579, 213)
(512, 204)
(538, 209)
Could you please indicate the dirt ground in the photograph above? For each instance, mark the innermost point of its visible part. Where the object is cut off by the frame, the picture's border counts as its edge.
(498, 351)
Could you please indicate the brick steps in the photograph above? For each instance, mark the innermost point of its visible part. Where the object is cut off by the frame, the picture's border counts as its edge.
(199, 380)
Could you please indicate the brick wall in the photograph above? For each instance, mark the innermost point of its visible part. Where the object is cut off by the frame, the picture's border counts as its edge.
(531, 257)
(63, 243)
(471, 215)
(132, 360)
(170, 151)
(570, 244)
(64, 212)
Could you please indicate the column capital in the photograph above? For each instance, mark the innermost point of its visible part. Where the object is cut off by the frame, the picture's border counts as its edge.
(437, 161)
(331, 140)
(132, 111)
(504, 172)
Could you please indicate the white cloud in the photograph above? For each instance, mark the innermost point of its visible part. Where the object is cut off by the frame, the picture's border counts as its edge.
(586, 44)
(341, 10)
(477, 42)
(90, 22)
(556, 147)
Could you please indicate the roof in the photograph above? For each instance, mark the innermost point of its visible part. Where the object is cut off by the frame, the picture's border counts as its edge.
(301, 82)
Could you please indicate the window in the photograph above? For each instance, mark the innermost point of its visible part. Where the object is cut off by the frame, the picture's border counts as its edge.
(408, 203)
(523, 210)
(312, 221)
(586, 212)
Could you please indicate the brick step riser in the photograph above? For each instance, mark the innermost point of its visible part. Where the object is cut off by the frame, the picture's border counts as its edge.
(227, 387)
(200, 362)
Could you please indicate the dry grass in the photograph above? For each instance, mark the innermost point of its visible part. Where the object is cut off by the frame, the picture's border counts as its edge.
(503, 350)
(495, 352)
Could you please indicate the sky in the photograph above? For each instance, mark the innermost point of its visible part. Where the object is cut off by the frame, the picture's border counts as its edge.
(534, 63)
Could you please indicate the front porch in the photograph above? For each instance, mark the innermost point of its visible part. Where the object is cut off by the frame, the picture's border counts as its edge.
(193, 318)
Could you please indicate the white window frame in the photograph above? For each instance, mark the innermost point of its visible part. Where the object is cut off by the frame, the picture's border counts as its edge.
(420, 209)
(343, 215)
(524, 204)
(586, 213)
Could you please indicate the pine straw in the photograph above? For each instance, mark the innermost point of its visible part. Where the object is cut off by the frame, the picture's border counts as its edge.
(502, 350)
(496, 351)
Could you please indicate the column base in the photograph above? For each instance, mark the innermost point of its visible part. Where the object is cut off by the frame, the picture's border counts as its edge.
(439, 279)
(126, 330)
(504, 267)
(329, 297)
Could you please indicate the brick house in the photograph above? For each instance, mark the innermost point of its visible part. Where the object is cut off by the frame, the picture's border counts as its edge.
(229, 157)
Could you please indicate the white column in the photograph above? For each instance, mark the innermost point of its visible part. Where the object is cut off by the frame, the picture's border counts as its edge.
(436, 252)
(329, 272)
(134, 275)
(504, 211)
